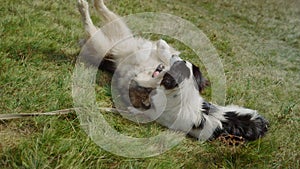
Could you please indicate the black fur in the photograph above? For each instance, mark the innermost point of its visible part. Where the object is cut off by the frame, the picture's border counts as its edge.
(238, 125)
(218, 131)
(243, 125)
(177, 73)
(206, 107)
(108, 64)
(200, 80)
(201, 125)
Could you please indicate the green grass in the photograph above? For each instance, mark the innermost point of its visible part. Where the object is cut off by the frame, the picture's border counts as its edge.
(258, 42)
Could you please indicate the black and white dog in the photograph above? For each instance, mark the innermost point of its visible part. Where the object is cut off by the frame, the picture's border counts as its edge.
(162, 86)
(182, 107)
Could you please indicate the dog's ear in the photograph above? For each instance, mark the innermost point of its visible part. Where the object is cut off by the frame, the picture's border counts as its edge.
(162, 45)
(177, 73)
(200, 80)
(163, 51)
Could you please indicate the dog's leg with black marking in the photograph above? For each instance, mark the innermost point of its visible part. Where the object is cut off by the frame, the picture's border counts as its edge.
(244, 122)
(230, 120)
(233, 121)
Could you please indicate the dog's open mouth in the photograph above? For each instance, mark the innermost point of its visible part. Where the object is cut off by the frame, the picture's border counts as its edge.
(159, 68)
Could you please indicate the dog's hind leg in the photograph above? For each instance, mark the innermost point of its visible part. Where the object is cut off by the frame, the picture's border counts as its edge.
(101, 8)
(97, 47)
(89, 27)
(116, 28)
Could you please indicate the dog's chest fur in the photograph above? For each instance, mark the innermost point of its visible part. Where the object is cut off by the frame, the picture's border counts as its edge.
(183, 107)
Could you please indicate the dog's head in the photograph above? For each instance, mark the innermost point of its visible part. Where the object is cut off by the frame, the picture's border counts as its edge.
(181, 71)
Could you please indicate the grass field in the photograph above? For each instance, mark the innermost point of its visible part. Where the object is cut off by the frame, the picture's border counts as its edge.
(258, 43)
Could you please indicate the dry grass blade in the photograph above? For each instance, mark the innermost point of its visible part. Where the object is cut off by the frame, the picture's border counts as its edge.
(53, 113)
(23, 115)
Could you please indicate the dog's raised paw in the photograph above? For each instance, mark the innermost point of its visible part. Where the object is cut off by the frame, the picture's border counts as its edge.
(82, 6)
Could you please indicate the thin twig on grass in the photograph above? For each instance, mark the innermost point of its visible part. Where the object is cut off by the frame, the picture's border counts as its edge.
(52, 113)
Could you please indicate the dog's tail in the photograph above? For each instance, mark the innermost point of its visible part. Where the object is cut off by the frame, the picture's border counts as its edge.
(233, 120)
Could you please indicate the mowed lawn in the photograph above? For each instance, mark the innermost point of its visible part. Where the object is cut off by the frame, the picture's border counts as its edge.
(259, 46)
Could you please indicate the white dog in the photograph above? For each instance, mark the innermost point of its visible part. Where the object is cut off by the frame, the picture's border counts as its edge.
(161, 86)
